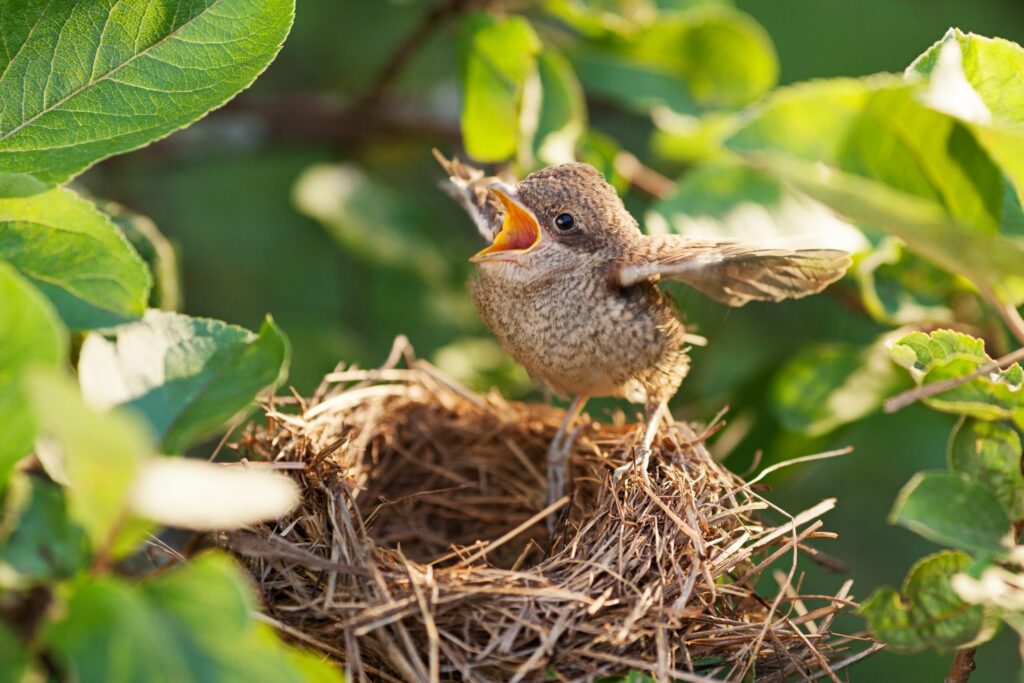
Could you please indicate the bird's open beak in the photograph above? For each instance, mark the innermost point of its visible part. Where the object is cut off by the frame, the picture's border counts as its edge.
(520, 231)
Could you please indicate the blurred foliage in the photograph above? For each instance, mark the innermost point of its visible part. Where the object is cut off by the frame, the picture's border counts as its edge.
(314, 197)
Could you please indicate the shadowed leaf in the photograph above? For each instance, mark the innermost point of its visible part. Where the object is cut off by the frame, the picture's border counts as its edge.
(953, 510)
(185, 376)
(193, 623)
(926, 613)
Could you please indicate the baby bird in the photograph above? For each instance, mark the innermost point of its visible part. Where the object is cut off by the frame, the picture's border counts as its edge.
(569, 286)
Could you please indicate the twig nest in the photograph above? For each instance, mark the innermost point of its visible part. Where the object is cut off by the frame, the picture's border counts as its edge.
(420, 553)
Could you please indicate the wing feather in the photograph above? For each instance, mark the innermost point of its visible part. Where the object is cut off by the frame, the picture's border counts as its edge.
(468, 186)
(732, 272)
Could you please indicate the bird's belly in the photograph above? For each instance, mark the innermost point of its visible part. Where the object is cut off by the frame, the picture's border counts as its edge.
(579, 342)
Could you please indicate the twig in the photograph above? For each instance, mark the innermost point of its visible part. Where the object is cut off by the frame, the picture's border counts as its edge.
(407, 49)
(643, 177)
(1007, 311)
(962, 667)
(900, 401)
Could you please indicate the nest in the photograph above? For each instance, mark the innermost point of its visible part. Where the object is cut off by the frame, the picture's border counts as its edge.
(420, 551)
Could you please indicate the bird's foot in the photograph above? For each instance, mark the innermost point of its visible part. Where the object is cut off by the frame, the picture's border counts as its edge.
(640, 461)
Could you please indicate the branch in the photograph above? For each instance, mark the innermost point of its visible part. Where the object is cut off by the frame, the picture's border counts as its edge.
(962, 666)
(1007, 311)
(900, 401)
(405, 51)
(643, 177)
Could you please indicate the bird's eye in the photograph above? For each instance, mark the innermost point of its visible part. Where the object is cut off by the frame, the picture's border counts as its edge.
(565, 221)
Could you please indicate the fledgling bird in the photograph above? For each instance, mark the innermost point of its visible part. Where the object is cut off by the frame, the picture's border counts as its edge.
(569, 287)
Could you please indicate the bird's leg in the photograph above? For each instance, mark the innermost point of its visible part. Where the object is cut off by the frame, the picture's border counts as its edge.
(653, 413)
(561, 446)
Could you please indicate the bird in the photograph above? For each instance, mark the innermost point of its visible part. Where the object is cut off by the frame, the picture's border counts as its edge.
(571, 288)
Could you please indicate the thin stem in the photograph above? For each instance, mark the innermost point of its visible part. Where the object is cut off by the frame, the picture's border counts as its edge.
(900, 401)
(408, 48)
(962, 666)
(643, 177)
(1007, 311)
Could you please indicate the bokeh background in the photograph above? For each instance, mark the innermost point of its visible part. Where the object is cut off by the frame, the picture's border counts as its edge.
(284, 203)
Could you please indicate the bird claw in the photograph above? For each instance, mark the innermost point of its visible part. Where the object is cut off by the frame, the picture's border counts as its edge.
(641, 460)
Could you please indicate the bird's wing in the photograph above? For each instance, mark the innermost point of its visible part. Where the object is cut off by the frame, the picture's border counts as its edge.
(734, 273)
(468, 186)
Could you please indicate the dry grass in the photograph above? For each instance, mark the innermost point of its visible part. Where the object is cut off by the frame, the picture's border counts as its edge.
(420, 552)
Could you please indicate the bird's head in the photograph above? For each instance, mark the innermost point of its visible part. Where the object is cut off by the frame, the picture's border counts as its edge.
(558, 216)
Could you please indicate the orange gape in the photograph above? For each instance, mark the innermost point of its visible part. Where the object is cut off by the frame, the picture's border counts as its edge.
(519, 230)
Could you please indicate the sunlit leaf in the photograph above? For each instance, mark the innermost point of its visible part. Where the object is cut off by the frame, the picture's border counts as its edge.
(185, 376)
(926, 613)
(82, 81)
(497, 55)
(194, 494)
(954, 510)
(99, 455)
(828, 385)
(945, 354)
(724, 56)
(30, 336)
(871, 150)
(690, 138)
(193, 623)
(43, 544)
(75, 256)
(977, 79)
(990, 452)
(729, 201)
(706, 58)
(369, 219)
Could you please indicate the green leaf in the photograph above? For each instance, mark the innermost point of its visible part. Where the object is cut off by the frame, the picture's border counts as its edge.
(193, 623)
(927, 613)
(369, 219)
(30, 335)
(43, 544)
(82, 81)
(75, 256)
(156, 250)
(706, 58)
(497, 57)
(978, 80)
(724, 57)
(952, 509)
(14, 658)
(185, 376)
(898, 287)
(721, 199)
(871, 150)
(990, 452)
(828, 385)
(98, 456)
(563, 112)
(945, 354)
(600, 151)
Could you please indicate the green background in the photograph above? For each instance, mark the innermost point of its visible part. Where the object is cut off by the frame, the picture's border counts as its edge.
(223, 192)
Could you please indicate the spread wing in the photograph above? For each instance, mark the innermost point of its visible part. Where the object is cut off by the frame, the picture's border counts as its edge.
(735, 273)
(468, 186)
